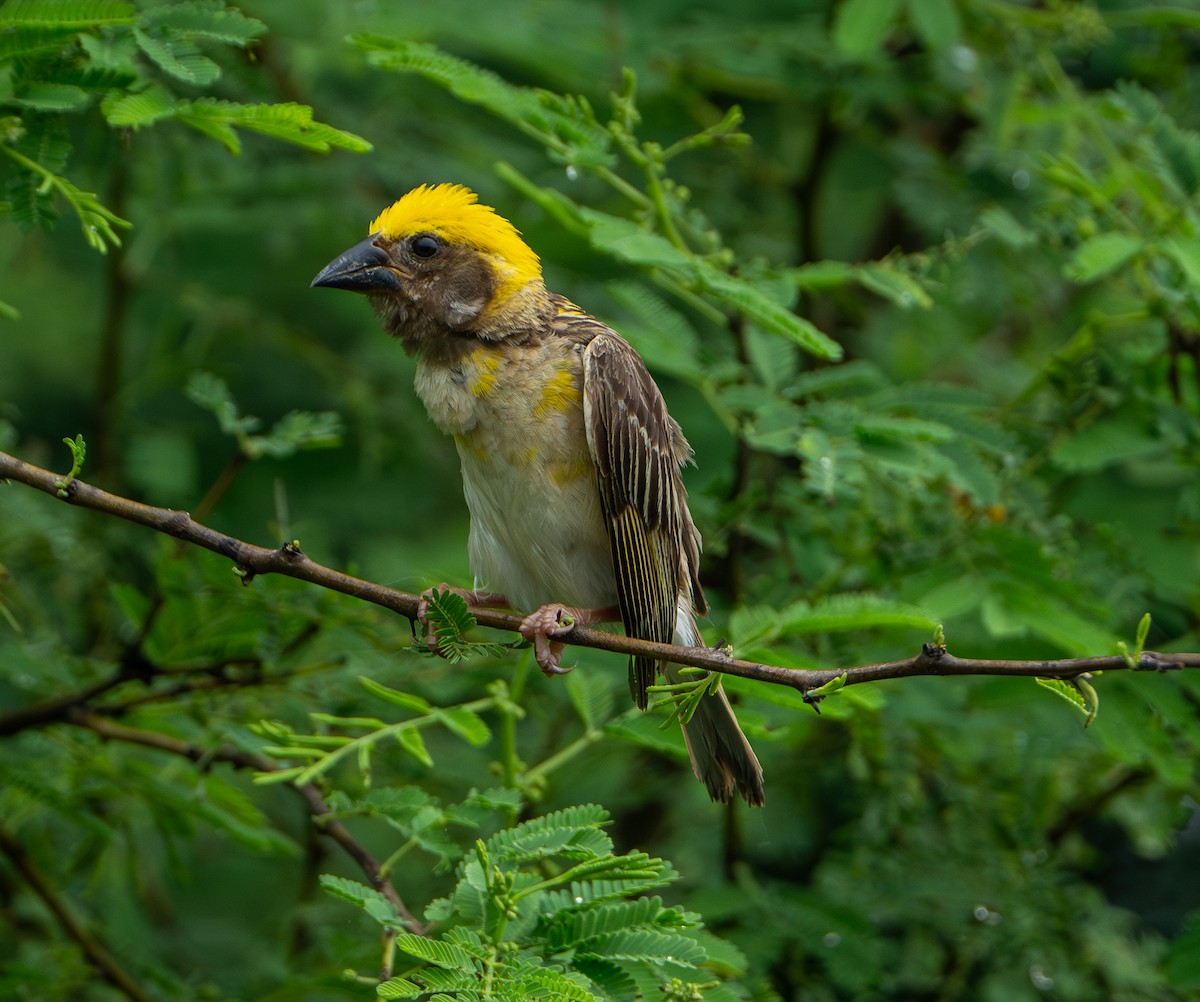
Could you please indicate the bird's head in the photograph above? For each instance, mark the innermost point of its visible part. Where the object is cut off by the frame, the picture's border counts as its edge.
(438, 266)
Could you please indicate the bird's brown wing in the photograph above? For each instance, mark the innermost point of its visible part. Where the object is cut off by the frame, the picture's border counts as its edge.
(638, 448)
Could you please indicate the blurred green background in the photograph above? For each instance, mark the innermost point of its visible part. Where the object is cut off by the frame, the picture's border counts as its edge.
(991, 206)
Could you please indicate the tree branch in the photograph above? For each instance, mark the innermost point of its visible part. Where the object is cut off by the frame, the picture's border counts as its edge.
(290, 561)
(317, 807)
(56, 708)
(95, 951)
(193, 678)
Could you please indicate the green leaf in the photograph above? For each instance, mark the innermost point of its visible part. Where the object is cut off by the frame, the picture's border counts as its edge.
(572, 831)
(577, 925)
(1182, 961)
(135, 111)
(744, 297)
(467, 725)
(291, 123)
(1143, 631)
(448, 614)
(1185, 252)
(894, 428)
(53, 97)
(1065, 690)
(404, 699)
(409, 738)
(208, 19)
(399, 988)
(564, 124)
(228, 809)
(894, 285)
(438, 952)
(860, 26)
(367, 898)
(77, 14)
(1004, 225)
(99, 224)
(1102, 255)
(78, 450)
(295, 432)
(18, 42)
(828, 689)
(627, 241)
(216, 128)
(755, 625)
(647, 946)
(821, 275)
(212, 393)
(178, 57)
(548, 983)
(1110, 441)
(936, 22)
(1153, 17)
(971, 474)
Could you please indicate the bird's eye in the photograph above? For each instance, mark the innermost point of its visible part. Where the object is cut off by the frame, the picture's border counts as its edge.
(426, 245)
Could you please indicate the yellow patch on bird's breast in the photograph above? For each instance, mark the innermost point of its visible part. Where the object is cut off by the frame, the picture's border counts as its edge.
(479, 369)
(455, 214)
(558, 393)
(561, 474)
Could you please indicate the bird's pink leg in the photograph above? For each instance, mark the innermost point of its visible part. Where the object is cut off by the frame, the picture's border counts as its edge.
(557, 621)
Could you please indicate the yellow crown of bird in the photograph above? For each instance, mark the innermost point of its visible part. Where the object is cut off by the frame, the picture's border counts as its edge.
(455, 213)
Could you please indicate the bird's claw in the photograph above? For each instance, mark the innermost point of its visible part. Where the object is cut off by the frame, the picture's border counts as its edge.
(538, 627)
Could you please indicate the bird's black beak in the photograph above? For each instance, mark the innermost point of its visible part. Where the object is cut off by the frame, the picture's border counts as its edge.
(365, 267)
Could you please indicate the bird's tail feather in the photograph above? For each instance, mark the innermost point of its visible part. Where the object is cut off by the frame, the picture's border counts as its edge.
(721, 756)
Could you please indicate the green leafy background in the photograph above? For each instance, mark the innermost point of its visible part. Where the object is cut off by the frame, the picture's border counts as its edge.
(921, 281)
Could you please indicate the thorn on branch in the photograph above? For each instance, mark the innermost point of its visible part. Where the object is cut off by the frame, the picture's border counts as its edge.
(722, 649)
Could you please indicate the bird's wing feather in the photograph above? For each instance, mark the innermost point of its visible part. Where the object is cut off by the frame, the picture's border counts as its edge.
(638, 448)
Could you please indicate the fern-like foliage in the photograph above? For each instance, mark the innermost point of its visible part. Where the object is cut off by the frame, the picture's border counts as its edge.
(332, 745)
(666, 237)
(294, 432)
(546, 909)
(69, 57)
(450, 620)
(542, 909)
(565, 124)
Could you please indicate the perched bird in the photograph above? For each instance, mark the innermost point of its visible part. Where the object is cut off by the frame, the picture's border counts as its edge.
(570, 461)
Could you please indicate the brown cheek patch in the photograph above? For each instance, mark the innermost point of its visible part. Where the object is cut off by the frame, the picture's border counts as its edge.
(464, 288)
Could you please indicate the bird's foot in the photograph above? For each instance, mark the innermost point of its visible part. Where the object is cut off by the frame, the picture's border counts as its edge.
(558, 621)
(475, 598)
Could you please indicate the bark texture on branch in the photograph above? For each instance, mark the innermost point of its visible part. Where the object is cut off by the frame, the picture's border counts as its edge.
(291, 561)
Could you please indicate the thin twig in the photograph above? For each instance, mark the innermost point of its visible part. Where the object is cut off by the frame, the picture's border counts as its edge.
(290, 561)
(318, 808)
(208, 677)
(95, 951)
(56, 708)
